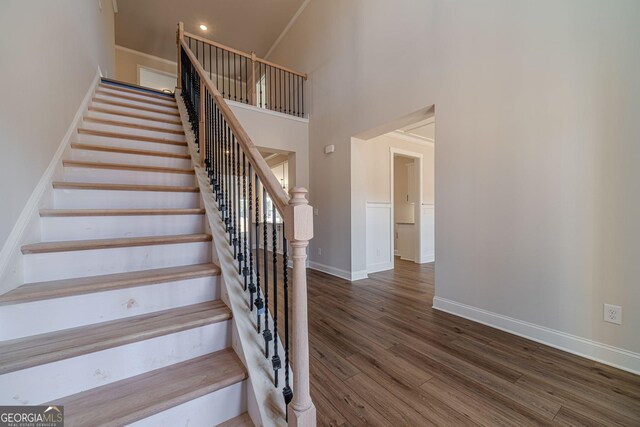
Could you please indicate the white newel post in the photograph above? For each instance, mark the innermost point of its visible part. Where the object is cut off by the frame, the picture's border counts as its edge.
(299, 230)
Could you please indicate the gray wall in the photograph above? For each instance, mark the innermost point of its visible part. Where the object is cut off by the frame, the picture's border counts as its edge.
(50, 52)
(538, 144)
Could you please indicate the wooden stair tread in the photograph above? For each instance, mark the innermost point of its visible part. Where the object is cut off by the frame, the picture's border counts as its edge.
(119, 212)
(23, 353)
(171, 103)
(121, 166)
(126, 401)
(121, 242)
(122, 187)
(135, 107)
(243, 420)
(120, 135)
(134, 115)
(84, 285)
(129, 151)
(119, 123)
(133, 88)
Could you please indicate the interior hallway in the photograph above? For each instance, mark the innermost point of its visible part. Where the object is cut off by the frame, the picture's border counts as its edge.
(380, 355)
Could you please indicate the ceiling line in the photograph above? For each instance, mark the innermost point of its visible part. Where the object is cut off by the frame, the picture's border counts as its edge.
(286, 29)
(145, 55)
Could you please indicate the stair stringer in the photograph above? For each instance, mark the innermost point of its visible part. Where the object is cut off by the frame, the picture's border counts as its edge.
(265, 402)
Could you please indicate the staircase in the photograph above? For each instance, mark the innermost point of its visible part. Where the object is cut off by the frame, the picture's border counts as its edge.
(120, 318)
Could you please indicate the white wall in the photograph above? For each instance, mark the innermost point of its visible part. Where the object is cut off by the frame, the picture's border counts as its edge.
(537, 105)
(278, 132)
(128, 61)
(50, 51)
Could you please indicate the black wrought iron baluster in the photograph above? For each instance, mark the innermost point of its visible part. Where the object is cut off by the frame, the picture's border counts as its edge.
(275, 360)
(259, 301)
(261, 80)
(266, 333)
(223, 166)
(246, 80)
(287, 393)
(237, 200)
(229, 187)
(298, 96)
(229, 78)
(235, 80)
(210, 133)
(220, 155)
(250, 231)
(234, 239)
(206, 134)
(216, 148)
(280, 90)
(271, 91)
(241, 92)
(245, 215)
(222, 69)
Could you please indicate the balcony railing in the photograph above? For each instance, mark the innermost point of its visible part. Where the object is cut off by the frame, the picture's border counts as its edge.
(243, 77)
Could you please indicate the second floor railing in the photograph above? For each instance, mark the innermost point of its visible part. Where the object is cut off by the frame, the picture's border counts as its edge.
(249, 199)
(243, 77)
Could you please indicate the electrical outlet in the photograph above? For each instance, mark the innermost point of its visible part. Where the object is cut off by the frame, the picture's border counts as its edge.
(315, 211)
(612, 314)
(320, 251)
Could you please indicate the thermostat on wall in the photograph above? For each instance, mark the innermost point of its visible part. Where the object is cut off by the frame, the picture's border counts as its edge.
(328, 149)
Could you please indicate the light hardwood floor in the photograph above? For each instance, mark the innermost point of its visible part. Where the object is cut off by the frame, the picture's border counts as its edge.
(380, 355)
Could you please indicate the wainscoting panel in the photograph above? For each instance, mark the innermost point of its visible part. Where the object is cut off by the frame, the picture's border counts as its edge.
(379, 237)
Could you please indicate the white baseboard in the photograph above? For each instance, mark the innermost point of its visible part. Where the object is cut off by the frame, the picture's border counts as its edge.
(603, 353)
(430, 257)
(383, 266)
(27, 223)
(343, 274)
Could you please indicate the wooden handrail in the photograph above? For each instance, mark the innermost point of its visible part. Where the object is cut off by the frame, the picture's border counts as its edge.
(270, 182)
(245, 54)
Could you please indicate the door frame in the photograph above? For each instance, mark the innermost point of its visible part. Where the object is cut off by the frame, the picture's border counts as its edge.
(417, 206)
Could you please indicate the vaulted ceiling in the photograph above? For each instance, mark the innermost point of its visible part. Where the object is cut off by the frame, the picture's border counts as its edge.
(250, 25)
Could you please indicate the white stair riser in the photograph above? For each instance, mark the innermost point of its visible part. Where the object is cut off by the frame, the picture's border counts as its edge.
(133, 104)
(87, 124)
(105, 91)
(56, 229)
(67, 265)
(118, 176)
(130, 144)
(161, 115)
(54, 380)
(205, 411)
(134, 120)
(39, 317)
(128, 159)
(109, 199)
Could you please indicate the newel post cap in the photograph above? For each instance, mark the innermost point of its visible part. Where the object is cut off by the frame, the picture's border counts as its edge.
(299, 221)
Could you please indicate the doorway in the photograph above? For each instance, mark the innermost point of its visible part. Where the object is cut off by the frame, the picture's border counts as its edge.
(406, 183)
(396, 175)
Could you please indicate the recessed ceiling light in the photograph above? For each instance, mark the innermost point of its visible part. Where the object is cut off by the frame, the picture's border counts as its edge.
(203, 27)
